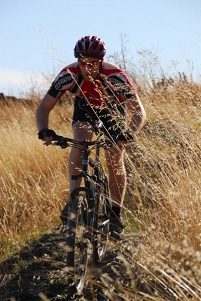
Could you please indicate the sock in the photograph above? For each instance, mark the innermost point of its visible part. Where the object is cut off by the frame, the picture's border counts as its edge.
(115, 211)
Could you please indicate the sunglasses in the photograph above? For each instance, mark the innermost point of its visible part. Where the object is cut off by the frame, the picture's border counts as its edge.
(89, 64)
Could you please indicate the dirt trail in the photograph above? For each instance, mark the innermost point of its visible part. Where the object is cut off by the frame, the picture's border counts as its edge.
(37, 272)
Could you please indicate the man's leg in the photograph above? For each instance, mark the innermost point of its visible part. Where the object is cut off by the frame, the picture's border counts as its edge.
(117, 174)
(117, 184)
(81, 131)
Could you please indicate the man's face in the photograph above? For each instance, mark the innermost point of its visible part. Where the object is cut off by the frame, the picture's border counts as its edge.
(89, 67)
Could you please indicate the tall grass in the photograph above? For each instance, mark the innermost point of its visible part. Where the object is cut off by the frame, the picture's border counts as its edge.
(163, 166)
(33, 178)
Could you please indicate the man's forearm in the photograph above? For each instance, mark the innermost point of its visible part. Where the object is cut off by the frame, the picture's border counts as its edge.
(138, 114)
(41, 120)
(137, 121)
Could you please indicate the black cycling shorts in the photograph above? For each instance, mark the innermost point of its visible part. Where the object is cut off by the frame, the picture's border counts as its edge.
(113, 117)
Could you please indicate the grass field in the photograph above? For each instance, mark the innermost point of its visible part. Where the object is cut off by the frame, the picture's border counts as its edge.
(163, 197)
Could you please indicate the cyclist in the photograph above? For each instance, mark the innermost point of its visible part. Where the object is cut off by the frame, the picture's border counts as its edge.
(103, 92)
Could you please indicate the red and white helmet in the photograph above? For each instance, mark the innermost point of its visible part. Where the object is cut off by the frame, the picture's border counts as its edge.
(90, 46)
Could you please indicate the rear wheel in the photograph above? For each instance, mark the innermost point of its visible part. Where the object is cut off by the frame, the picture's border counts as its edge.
(101, 224)
(77, 244)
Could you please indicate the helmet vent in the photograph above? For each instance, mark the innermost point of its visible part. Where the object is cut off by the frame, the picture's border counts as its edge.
(90, 46)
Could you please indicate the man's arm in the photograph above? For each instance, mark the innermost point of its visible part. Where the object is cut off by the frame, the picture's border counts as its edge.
(138, 114)
(42, 114)
(43, 110)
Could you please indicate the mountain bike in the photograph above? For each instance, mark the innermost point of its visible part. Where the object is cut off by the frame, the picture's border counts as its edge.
(88, 209)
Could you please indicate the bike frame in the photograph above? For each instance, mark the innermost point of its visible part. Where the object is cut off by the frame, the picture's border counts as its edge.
(89, 204)
(90, 179)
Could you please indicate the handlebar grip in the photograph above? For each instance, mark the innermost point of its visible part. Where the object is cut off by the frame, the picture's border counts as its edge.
(61, 141)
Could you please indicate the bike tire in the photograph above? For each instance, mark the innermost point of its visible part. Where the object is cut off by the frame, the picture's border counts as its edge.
(101, 222)
(77, 244)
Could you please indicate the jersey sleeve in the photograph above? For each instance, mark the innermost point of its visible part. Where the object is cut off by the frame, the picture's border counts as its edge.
(120, 84)
(65, 81)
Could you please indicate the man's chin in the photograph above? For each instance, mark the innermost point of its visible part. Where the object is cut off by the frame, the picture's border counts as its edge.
(88, 78)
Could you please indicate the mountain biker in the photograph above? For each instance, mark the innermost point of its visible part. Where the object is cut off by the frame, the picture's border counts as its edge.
(103, 92)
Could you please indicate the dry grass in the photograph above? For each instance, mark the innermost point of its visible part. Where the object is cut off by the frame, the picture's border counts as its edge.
(163, 196)
(33, 178)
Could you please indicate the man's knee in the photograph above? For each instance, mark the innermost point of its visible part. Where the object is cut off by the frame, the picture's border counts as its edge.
(82, 131)
(115, 163)
(115, 155)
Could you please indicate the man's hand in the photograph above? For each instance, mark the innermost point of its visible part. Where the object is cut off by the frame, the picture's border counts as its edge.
(127, 136)
(47, 135)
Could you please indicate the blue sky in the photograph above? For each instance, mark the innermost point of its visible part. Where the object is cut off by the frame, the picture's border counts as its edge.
(38, 37)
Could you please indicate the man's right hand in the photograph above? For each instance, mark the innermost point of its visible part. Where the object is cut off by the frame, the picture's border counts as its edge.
(47, 135)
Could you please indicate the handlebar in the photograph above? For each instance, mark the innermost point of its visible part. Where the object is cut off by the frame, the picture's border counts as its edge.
(64, 142)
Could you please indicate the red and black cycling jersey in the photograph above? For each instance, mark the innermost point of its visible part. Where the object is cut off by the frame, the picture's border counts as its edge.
(111, 83)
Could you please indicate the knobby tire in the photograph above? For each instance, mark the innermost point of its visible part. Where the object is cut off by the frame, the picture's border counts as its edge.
(77, 244)
(101, 222)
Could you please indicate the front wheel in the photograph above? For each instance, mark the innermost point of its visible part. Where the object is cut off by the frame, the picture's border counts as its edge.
(102, 213)
(77, 244)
